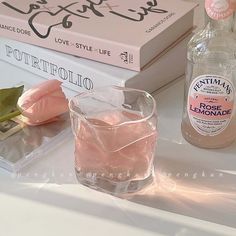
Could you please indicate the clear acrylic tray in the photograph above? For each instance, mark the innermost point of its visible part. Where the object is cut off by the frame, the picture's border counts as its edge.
(30, 142)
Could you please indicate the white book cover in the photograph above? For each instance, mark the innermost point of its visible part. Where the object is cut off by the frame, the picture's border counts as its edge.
(81, 74)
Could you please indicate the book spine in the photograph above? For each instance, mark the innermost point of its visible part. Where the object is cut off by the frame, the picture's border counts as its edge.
(51, 65)
(69, 42)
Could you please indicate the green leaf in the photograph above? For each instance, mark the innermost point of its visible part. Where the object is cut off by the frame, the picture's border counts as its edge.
(8, 102)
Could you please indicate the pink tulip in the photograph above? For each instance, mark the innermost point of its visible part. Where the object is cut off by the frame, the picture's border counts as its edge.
(43, 103)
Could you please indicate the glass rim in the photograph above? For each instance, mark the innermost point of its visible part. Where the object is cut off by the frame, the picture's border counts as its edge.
(115, 87)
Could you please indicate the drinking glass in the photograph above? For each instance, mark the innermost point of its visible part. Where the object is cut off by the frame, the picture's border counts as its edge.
(115, 131)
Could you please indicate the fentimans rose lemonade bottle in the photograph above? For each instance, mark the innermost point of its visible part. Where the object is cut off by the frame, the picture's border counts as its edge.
(209, 119)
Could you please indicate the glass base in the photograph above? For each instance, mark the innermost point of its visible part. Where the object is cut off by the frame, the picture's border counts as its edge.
(114, 188)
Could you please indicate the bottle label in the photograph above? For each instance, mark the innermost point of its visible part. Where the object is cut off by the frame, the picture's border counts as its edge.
(210, 104)
(219, 9)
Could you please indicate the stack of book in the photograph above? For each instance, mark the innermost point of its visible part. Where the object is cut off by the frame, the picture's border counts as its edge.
(94, 43)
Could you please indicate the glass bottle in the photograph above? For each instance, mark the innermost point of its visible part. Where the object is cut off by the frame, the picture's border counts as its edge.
(209, 119)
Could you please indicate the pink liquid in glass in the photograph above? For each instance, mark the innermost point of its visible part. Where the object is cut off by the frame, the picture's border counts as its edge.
(112, 154)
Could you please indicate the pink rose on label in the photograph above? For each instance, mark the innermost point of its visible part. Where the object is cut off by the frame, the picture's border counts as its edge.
(43, 103)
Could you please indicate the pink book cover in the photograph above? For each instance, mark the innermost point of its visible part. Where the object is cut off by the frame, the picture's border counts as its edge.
(124, 33)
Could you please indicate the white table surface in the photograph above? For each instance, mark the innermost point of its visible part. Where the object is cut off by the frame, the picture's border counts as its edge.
(194, 194)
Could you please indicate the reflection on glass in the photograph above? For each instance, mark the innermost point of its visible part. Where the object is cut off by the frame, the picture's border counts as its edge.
(115, 135)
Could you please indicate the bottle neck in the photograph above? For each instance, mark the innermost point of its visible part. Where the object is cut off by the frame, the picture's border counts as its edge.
(219, 25)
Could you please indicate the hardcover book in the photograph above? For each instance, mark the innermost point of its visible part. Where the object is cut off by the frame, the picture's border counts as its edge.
(128, 34)
(80, 74)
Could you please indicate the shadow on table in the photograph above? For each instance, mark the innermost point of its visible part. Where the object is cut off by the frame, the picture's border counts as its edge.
(186, 183)
(160, 223)
(191, 184)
